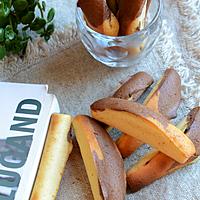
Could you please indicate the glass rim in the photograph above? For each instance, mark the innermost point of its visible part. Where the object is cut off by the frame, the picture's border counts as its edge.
(79, 15)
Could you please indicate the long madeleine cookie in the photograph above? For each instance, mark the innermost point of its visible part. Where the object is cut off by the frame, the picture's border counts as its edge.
(142, 123)
(99, 17)
(113, 5)
(134, 87)
(132, 90)
(164, 98)
(103, 162)
(57, 149)
(132, 15)
(156, 164)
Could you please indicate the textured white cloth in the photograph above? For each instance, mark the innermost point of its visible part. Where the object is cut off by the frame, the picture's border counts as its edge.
(78, 80)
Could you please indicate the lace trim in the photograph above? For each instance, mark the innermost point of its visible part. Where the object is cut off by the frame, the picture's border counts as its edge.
(190, 33)
(169, 54)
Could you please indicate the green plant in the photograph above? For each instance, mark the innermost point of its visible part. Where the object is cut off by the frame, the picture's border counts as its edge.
(18, 23)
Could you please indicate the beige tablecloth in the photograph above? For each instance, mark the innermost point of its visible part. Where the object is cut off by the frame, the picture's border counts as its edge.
(78, 80)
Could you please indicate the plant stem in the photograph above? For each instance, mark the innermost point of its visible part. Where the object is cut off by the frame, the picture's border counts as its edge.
(41, 12)
(40, 8)
(10, 3)
(10, 21)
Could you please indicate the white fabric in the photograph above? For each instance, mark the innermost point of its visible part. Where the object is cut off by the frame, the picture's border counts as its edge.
(78, 80)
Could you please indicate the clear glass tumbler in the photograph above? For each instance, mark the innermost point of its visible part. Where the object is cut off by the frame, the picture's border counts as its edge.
(122, 51)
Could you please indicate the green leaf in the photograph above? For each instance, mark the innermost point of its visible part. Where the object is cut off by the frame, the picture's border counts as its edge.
(30, 2)
(2, 51)
(8, 45)
(3, 21)
(41, 31)
(50, 15)
(9, 33)
(1, 35)
(20, 5)
(16, 46)
(46, 37)
(43, 5)
(4, 12)
(37, 24)
(31, 7)
(14, 21)
(16, 18)
(50, 29)
(28, 18)
(4, 9)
